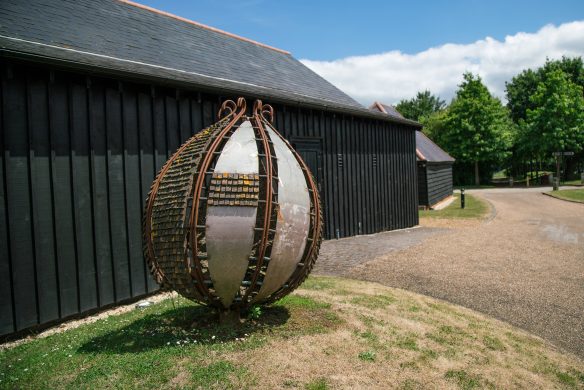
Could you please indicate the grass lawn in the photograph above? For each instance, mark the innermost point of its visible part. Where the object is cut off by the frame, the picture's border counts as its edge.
(575, 195)
(474, 187)
(575, 182)
(474, 208)
(331, 333)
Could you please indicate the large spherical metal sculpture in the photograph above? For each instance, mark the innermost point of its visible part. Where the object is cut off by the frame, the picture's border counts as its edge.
(234, 217)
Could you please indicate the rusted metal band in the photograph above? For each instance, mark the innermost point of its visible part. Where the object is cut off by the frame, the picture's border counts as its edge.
(196, 269)
(269, 210)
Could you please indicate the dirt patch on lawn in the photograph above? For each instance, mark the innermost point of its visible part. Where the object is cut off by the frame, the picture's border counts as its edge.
(395, 339)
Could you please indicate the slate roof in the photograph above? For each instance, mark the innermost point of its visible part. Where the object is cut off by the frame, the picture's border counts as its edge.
(137, 40)
(426, 149)
(386, 109)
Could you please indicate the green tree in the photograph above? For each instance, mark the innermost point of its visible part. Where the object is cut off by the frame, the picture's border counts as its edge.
(420, 107)
(477, 126)
(435, 126)
(556, 123)
(524, 85)
(518, 92)
(521, 91)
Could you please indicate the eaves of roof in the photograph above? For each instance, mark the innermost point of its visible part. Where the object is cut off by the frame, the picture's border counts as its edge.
(67, 57)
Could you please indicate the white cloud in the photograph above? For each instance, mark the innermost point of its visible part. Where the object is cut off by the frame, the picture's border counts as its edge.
(392, 76)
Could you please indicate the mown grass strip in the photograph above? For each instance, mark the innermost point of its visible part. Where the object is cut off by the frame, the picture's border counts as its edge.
(571, 195)
(474, 208)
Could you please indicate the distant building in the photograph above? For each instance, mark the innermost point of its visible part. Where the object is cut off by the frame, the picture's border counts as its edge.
(95, 95)
(434, 164)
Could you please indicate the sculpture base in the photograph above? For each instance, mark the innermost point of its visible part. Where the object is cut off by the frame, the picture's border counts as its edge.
(230, 317)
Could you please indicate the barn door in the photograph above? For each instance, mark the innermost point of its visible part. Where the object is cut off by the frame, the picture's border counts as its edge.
(310, 149)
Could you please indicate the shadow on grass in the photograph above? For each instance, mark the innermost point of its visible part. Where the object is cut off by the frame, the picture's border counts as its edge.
(177, 326)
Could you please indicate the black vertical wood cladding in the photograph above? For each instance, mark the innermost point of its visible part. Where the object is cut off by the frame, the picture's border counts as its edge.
(434, 182)
(79, 154)
(18, 199)
(82, 195)
(133, 197)
(7, 320)
(42, 196)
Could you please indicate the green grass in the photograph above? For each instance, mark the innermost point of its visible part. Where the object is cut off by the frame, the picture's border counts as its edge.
(408, 342)
(474, 208)
(502, 174)
(463, 379)
(322, 283)
(312, 339)
(574, 182)
(373, 301)
(493, 343)
(367, 356)
(475, 187)
(448, 336)
(158, 346)
(574, 195)
(215, 375)
(317, 384)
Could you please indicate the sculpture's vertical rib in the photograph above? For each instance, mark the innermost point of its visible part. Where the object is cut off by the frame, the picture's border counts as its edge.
(315, 235)
(266, 228)
(202, 172)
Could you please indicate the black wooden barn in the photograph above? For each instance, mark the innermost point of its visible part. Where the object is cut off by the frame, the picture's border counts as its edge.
(97, 94)
(434, 172)
(434, 165)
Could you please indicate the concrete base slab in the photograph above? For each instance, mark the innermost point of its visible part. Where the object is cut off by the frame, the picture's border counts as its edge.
(443, 203)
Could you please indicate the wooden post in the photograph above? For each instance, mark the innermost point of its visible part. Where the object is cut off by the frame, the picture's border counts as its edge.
(557, 178)
(477, 177)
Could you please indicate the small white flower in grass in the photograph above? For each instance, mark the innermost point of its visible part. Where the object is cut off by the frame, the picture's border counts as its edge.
(178, 342)
(70, 355)
(212, 337)
(26, 369)
(168, 343)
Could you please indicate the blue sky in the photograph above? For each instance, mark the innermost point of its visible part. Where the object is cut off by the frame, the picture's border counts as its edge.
(387, 51)
(328, 30)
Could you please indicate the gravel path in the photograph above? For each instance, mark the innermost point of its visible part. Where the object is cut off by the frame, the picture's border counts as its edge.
(525, 266)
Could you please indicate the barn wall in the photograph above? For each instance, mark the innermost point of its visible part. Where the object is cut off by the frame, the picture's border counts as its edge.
(79, 154)
(422, 184)
(439, 178)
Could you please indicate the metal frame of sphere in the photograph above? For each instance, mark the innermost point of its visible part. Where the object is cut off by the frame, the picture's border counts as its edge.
(234, 217)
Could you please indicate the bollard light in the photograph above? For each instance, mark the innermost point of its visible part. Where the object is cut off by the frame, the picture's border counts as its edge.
(462, 198)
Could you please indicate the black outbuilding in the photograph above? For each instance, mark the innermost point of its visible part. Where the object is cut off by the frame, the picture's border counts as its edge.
(434, 172)
(97, 94)
(434, 164)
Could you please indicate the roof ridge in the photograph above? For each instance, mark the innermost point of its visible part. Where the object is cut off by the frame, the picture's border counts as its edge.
(381, 107)
(168, 14)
